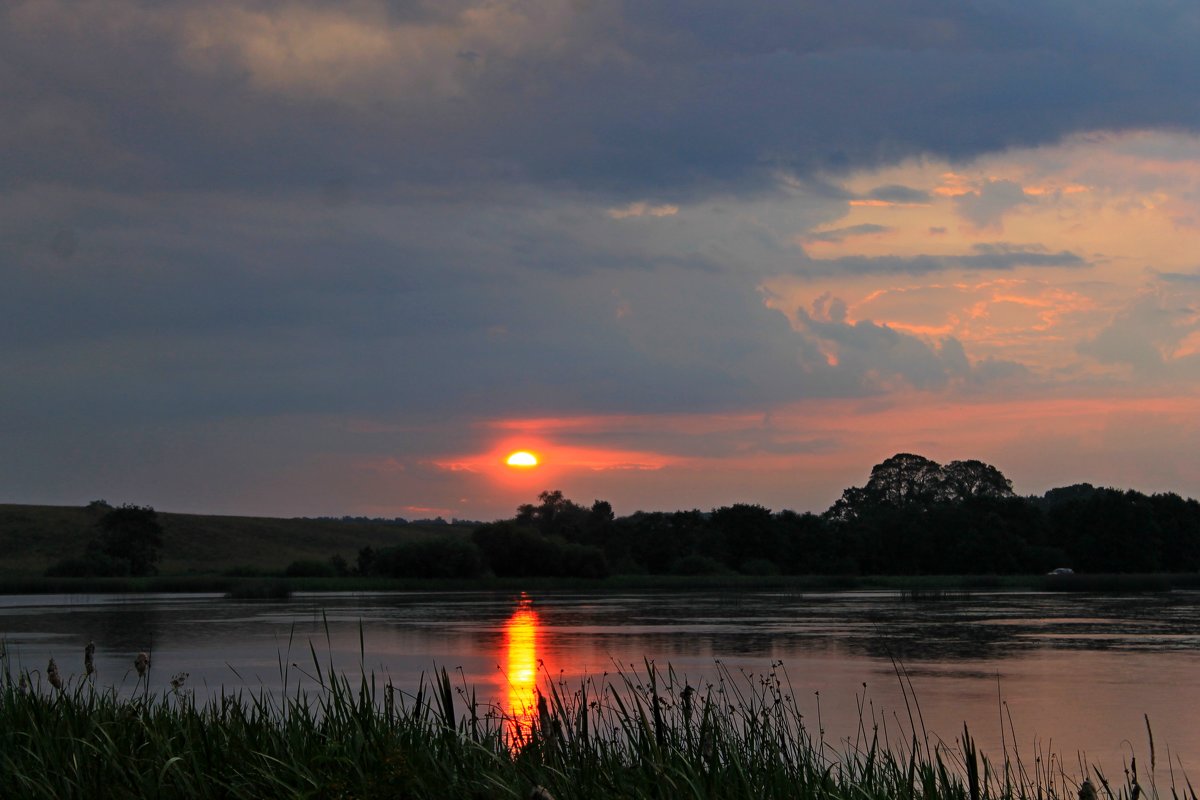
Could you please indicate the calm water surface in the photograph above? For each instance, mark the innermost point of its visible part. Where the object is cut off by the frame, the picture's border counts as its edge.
(1075, 673)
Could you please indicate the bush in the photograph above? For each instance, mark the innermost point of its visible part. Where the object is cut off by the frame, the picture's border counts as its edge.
(758, 566)
(128, 542)
(696, 565)
(425, 558)
(583, 561)
(514, 550)
(308, 568)
(131, 534)
(92, 565)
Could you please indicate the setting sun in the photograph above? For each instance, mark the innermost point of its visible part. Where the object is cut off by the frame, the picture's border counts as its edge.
(522, 458)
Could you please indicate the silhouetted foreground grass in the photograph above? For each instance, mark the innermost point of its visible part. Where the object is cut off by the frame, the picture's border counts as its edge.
(620, 736)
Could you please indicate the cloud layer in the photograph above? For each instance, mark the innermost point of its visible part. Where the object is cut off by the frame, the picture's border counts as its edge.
(669, 97)
(317, 257)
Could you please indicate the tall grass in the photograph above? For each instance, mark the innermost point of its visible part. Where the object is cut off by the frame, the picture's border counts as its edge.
(641, 733)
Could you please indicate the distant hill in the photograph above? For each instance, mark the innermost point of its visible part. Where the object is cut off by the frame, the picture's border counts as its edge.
(34, 537)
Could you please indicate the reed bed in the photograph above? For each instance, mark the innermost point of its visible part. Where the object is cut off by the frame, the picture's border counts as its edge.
(632, 733)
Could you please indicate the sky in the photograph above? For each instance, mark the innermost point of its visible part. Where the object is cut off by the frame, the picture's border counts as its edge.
(323, 258)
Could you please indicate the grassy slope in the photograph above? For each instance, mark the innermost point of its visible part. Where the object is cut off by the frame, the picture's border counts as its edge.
(33, 537)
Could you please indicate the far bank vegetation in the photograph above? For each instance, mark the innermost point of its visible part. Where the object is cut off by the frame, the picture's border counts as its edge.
(913, 516)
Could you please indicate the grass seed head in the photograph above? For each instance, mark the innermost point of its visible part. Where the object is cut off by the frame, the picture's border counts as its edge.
(141, 664)
(89, 664)
(53, 675)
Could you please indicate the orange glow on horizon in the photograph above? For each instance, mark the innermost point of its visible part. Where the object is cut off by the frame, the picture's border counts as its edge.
(831, 438)
(549, 461)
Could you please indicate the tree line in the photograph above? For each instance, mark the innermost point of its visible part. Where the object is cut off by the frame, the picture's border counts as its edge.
(913, 516)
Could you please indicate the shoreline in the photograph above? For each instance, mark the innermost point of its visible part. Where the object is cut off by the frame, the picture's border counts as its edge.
(919, 587)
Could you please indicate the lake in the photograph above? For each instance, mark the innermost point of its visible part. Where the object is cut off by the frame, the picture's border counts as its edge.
(1071, 674)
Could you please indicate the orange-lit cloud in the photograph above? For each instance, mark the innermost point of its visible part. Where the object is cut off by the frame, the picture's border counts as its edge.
(360, 53)
(992, 316)
(872, 203)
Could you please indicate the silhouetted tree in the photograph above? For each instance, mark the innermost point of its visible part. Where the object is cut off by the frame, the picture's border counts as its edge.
(966, 479)
(1178, 523)
(808, 546)
(910, 481)
(747, 534)
(555, 515)
(513, 549)
(1109, 531)
(905, 479)
(1067, 494)
(130, 535)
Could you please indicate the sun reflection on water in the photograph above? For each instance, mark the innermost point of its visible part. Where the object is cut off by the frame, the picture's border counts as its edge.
(522, 637)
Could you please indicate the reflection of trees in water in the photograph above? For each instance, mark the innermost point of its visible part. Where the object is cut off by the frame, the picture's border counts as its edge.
(762, 626)
(129, 628)
(1011, 626)
(966, 640)
(906, 641)
(113, 627)
(674, 645)
(674, 627)
(949, 627)
(119, 632)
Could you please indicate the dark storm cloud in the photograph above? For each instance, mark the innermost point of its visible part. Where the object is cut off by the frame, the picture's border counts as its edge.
(613, 98)
(995, 257)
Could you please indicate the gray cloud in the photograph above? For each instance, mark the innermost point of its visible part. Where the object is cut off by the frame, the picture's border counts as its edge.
(998, 257)
(841, 234)
(193, 307)
(608, 98)
(898, 194)
(1177, 277)
(1146, 336)
(866, 357)
(987, 207)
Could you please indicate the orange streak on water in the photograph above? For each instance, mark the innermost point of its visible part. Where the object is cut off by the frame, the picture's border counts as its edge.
(522, 635)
